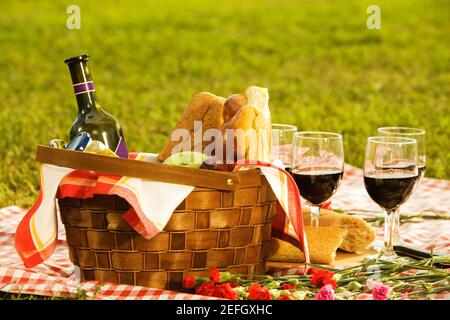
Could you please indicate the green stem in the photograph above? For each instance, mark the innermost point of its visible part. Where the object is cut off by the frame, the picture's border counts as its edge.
(421, 276)
(425, 292)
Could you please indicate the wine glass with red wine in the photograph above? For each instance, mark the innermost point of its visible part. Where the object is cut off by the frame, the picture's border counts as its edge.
(390, 174)
(419, 135)
(317, 166)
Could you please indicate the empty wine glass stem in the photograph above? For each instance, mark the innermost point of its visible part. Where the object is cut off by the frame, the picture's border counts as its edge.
(314, 215)
(396, 227)
(389, 217)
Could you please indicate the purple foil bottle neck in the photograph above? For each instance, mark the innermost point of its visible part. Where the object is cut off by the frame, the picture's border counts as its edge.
(83, 87)
(121, 149)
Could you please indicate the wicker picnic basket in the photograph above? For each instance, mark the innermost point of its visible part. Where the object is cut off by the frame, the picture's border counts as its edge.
(225, 222)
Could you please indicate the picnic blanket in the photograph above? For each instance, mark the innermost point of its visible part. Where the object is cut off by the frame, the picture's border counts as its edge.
(56, 275)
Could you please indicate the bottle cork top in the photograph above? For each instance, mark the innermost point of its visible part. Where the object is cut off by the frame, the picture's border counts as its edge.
(82, 57)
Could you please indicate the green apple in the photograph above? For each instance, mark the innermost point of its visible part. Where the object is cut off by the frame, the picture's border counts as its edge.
(189, 159)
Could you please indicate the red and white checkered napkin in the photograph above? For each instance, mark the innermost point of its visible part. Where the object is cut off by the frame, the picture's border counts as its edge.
(56, 275)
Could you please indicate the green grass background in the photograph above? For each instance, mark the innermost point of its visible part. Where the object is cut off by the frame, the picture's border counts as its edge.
(325, 70)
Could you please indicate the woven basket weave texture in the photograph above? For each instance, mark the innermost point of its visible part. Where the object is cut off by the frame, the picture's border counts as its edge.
(226, 229)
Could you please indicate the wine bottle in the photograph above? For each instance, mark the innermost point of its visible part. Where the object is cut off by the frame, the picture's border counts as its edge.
(91, 117)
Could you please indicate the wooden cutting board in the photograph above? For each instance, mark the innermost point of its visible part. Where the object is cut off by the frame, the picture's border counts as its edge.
(342, 259)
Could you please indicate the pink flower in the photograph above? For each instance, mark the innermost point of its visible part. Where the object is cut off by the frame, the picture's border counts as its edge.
(381, 292)
(325, 293)
(370, 284)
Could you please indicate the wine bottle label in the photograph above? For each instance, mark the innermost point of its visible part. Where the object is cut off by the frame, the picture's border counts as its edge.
(83, 87)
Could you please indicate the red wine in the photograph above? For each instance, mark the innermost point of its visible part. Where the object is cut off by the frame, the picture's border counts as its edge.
(407, 167)
(389, 188)
(317, 185)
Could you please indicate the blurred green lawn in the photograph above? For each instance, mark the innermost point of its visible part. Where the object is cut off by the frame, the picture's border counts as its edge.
(325, 70)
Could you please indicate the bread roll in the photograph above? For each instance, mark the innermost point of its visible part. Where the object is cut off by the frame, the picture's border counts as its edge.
(251, 126)
(232, 105)
(205, 107)
(243, 120)
(359, 234)
(322, 243)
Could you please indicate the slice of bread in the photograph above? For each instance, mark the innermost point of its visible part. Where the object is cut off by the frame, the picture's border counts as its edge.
(359, 234)
(322, 243)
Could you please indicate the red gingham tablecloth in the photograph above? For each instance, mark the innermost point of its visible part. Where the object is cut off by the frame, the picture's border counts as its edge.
(56, 275)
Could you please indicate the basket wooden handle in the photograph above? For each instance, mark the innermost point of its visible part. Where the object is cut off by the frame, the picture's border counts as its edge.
(136, 168)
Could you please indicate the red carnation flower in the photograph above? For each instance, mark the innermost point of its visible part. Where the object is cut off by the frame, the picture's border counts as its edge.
(214, 275)
(288, 286)
(330, 281)
(224, 290)
(285, 297)
(321, 278)
(258, 292)
(312, 270)
(189, 281)
(205, 289)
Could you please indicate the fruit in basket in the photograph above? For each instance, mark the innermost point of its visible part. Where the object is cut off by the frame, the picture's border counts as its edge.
(217, 164)
(190, 159)
(213, 164)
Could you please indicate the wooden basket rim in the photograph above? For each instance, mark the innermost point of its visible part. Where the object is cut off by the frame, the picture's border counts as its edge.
(141, 169)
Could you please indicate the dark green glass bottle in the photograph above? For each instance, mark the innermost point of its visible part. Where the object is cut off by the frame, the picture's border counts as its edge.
(91, 117)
